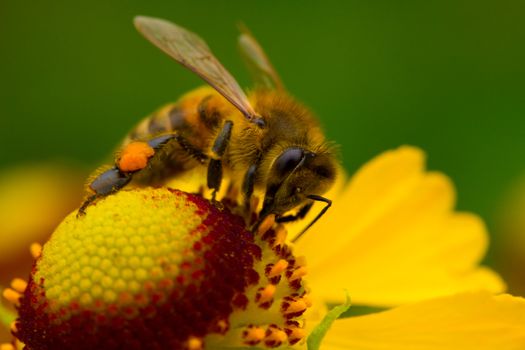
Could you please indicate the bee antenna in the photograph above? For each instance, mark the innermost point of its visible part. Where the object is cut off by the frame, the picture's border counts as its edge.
(321, 213)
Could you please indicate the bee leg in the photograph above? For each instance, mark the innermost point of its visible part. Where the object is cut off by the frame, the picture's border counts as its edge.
(305, 209)
(214, 176)
(87, 203)
(215, 164)
(248, 185)
(114, 179)
(193, 151)
(110, 181)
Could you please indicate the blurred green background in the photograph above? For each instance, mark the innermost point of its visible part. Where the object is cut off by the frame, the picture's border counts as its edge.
(448, 76)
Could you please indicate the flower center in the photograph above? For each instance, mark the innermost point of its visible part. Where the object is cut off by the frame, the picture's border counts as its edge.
(163, 269)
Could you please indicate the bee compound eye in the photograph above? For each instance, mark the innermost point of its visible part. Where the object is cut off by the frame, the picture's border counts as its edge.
(288, 160)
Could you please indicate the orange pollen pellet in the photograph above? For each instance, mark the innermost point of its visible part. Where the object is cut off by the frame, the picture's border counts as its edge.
(298, 273)
(278, 268)
(267, 223)
(36, 250)
(7, 346)
(194, 343)
(11, 295)
(253, 335)
(266, 294)
(135, 156)
(19, 285)
(295, 306)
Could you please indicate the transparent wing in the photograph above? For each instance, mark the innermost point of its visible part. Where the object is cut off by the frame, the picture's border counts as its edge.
(260, 66)
(191, 51)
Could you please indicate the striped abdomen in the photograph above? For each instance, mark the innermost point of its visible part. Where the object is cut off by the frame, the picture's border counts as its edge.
(195, 118)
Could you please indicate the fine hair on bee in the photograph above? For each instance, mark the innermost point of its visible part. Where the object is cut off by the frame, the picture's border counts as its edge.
(263, 142)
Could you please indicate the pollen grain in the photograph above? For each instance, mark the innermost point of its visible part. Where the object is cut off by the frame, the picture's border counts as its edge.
(11, 295)
(35, 249)
(277, 269)
(19, 285)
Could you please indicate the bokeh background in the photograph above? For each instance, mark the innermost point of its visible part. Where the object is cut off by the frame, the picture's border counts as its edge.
(448, 76)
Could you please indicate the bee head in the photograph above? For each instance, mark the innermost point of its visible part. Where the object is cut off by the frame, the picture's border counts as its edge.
(296, 174)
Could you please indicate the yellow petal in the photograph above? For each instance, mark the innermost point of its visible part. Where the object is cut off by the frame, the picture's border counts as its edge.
(393, 238)
(370, 190)
(470, 321)
(33, 200)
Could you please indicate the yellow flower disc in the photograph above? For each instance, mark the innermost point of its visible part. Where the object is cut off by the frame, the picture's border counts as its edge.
(161, 269)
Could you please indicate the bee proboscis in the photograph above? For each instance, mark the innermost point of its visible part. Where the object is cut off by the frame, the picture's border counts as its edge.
(264, 141)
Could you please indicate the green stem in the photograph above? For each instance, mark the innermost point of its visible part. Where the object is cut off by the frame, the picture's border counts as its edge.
(315, 338)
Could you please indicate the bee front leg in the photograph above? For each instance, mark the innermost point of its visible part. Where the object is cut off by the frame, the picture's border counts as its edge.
(248, 185)
(215, 165)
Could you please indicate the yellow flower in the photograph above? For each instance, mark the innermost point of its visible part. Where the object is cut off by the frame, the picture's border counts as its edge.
(48, 191)
(468, 321)
(164, 269)
(393, 237)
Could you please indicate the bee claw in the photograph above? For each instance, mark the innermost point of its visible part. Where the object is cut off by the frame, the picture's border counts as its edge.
(82, 210)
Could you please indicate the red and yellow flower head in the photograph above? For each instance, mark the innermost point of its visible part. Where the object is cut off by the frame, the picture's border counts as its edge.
(163, 269)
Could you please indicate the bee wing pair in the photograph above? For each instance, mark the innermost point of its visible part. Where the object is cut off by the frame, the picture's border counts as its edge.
(258, 63)
(191, 51)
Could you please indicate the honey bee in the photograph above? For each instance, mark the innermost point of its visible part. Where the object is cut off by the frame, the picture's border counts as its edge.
(266, 141)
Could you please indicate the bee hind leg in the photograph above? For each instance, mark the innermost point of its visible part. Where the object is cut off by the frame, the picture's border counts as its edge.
(108, 182)
(82, 210)
(214, 177)
(114, 179)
